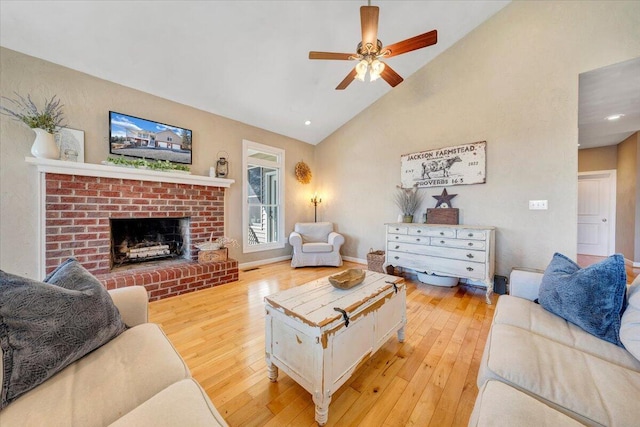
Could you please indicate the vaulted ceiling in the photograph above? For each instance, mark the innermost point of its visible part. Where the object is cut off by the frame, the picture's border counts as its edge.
(245, 60)
(609, 91)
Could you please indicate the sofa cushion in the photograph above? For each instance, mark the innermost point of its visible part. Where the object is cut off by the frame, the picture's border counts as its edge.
(630, 325)
(104, 385)
(583, 386)
(532, 317)
(184, 403)
(592, 297)
(46, 326)
(313, 232)
(499, 405)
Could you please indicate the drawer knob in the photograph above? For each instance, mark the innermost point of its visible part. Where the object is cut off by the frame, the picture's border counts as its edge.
(442, 233)
(419, 231)
(469, 268)
(470, 244)
(397, 237)
(470, 234)
(397, 246)
(396, 257)
(442, 242)
(417, 240)
(470, 256)
(397, 229)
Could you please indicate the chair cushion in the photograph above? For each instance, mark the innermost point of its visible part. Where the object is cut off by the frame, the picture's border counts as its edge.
(104, 385)
(592, 297)
(44, 327)
(314, 248)
(313, 232)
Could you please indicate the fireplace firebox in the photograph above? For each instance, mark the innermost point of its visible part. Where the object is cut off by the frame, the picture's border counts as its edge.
(148, 239)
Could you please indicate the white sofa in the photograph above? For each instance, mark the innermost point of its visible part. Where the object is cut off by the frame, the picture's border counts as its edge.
(314, 244)
(538, 369)
(136, 379)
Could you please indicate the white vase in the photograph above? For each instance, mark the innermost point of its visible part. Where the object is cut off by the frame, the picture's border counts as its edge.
(44, 146)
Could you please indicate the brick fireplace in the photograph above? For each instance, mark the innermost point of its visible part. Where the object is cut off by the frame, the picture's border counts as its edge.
(80, 204)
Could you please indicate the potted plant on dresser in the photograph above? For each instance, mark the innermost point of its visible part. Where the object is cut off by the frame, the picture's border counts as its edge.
(408, 200)
(44, 122)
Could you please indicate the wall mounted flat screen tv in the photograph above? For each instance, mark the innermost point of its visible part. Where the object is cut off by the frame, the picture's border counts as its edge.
(136, 137)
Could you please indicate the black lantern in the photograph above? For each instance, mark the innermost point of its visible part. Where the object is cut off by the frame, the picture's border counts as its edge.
(222, 167)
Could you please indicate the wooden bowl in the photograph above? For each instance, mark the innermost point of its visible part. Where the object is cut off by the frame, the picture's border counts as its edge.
(348, 278)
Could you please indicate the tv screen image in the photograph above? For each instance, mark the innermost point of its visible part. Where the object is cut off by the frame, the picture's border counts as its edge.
(136, 137)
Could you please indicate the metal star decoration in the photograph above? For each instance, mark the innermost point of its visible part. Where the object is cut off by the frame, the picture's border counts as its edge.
(444, 198)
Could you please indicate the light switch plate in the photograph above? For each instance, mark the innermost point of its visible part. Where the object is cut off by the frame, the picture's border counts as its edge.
(538, 205)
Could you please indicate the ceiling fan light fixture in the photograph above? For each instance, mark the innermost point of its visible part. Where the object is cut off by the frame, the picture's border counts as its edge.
(376, 68)
(361, 70)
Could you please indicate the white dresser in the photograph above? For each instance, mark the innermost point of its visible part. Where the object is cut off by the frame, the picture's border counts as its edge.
(463, 251)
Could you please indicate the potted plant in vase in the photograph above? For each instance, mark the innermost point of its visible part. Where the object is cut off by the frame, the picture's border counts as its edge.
(43, 122)
(408, 200)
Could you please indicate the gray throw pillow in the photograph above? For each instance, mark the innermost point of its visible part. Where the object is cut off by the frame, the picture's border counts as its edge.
(592, 297)
(45, 326)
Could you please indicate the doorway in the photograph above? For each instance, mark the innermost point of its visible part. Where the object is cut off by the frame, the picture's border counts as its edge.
(596, 213)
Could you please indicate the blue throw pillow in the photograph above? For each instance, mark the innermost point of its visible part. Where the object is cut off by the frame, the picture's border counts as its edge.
(592, 297)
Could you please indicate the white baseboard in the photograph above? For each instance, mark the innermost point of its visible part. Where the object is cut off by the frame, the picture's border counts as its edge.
(258, 263)
(357, 260)
(262, 262)
(633, 264)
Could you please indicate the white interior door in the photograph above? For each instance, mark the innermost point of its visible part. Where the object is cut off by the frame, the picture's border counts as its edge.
(596, 213)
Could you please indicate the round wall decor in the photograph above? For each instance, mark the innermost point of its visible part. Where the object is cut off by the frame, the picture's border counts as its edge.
(303, 173)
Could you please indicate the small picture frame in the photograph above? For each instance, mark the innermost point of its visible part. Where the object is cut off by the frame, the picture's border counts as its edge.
(71, 144)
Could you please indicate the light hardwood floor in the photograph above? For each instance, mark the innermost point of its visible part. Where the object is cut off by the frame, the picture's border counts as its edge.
(429, 380)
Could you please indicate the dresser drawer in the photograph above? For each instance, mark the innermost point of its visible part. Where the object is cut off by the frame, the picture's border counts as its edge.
(477, 245)
(471, 234)
(397, 229)
(453, 253)
(420, 240)
(441, 266)
(432, 232)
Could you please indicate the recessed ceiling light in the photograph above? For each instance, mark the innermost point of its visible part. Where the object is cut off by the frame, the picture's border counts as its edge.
(307, 123)
(614, 117)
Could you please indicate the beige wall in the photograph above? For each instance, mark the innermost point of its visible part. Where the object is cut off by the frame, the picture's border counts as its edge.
(598, 159)
(628, 199)
(87, 103)
(513, 82)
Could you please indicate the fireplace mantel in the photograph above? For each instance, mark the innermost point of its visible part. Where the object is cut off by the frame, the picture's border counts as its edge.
(108, 171)
(78, 201)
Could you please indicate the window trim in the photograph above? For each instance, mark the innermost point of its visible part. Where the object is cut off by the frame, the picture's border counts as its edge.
(279, 166)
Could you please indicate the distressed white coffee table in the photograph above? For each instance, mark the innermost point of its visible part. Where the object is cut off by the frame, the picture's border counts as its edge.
(319, 335)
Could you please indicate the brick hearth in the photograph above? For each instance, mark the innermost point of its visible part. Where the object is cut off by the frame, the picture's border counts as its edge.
(77, 213)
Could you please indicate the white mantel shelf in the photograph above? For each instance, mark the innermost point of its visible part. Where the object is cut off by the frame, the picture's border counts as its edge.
(108, 171)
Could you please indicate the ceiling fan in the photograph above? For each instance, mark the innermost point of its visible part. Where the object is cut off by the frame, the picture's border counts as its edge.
(370, 51)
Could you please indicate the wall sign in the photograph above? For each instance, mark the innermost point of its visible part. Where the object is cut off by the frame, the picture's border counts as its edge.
(459, 165)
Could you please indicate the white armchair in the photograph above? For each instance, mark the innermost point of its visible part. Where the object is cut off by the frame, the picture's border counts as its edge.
(315, 243)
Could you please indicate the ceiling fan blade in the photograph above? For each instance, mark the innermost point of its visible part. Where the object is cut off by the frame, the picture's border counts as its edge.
(347, 80)
(391, 76)
(369, 23)
(417, 42)
(331, 55)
